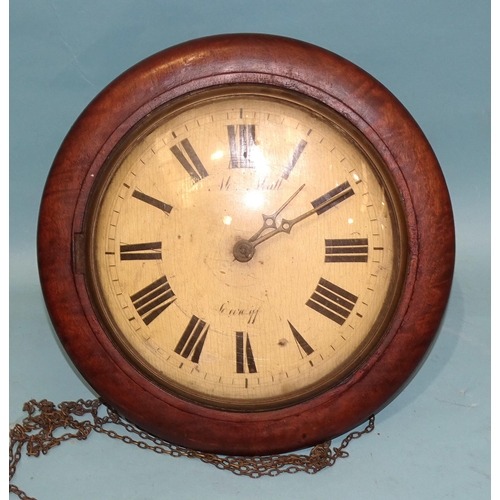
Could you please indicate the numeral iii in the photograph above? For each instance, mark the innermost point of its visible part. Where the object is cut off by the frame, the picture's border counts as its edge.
(346, 250)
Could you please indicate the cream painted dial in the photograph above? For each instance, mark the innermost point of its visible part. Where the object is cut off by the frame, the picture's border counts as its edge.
(245, 248)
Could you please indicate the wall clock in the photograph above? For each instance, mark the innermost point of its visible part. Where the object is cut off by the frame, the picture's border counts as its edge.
(246, 245)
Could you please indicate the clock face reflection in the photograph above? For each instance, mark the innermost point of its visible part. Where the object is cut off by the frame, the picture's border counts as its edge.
(245, 248)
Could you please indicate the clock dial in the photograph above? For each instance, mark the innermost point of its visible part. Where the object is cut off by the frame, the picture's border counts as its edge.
(245, 248)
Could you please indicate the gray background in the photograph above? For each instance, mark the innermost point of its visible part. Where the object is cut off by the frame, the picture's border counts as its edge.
(433, 441)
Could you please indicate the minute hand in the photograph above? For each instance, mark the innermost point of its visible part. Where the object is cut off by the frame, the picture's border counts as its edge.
(286, 225)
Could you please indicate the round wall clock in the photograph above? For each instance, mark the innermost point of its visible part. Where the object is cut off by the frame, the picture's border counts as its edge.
(246, 245)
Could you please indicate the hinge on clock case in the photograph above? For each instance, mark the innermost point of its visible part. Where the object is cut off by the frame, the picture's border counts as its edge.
(79, 253)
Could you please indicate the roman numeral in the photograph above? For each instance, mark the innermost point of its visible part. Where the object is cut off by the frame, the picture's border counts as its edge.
(152, 201)
(344, 188)
(153, 299)
(193, 165)
(300, 341)
(332, 301)
(294, 159)
(241, 144)
(245, 362)
(191, 343)
(346, 250)
(141, 251)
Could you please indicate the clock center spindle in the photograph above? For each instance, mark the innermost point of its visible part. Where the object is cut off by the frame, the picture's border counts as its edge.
(243, 250)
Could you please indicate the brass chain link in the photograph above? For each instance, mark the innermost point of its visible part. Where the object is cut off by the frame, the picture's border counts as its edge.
(37, 433)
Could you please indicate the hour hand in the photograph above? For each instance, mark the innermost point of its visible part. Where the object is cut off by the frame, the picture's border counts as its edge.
(270, 220)
(244, 250)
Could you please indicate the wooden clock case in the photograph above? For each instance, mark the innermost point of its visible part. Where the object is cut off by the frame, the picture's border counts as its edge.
(368, 106)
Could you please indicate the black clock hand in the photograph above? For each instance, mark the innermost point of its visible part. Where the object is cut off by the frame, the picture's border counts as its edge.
(244, 250)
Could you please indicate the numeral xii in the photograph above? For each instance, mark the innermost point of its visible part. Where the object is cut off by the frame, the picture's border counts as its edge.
(241, 143)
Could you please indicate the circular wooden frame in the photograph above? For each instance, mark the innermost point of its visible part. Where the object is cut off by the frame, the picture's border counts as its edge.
(368, 106)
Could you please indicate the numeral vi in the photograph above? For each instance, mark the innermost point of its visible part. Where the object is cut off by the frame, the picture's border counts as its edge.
(245, 361)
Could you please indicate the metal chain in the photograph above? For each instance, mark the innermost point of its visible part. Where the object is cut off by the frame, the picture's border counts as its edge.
(37, 433)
